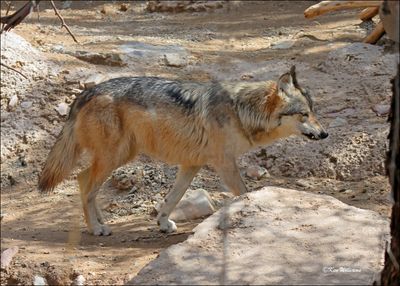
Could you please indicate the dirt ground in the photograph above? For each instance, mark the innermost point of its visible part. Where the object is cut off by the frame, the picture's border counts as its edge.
(223, 44)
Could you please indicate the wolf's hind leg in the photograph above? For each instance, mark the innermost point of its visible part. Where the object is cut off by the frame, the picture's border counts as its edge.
(89, 189)
(182, 182)
(90, 182)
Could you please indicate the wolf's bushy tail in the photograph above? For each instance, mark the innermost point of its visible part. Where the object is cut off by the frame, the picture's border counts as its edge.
(61, 159)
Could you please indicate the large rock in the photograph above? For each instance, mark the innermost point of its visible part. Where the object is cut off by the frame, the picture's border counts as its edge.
(276, 236)
(183, 6)
(149, 54)
(108, 59)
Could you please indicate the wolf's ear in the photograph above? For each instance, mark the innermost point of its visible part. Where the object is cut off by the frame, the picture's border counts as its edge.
(293, 75)
(285, 82)
(288, 80)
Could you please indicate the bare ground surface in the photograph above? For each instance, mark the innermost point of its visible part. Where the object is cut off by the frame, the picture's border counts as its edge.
(347, 80)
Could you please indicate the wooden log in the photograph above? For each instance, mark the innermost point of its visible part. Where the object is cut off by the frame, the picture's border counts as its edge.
(328, 6)
(368, 13)
(375, 35)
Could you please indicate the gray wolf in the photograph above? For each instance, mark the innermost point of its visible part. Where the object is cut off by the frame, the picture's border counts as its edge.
(190, 124)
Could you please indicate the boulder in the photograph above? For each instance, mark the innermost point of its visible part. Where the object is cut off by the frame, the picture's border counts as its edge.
(276, 236)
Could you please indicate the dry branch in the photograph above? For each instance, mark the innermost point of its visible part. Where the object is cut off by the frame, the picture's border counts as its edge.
(62, 21)
(14, 19)
(375, 35)
(13, 69)
(328, 6)
(368, 13)
(8, 10)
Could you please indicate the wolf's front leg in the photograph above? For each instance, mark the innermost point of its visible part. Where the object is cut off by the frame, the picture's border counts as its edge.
(182, 182)
(230, 175)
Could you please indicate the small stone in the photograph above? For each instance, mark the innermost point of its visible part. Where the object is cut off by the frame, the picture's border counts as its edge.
(62, 109)
(246, 77)
(13, 101)
(303, 183)
(256, 172)
(7, 256)
(381, 109)
(66, 4)
(45, 264)
(58, 49)
(12, 180)
(124, 180)
(106, 9)
(92, 80)
(26, 104)
(194, 204)
(337, 122)
(39, 281)
(175, 60)
(124, 7)
(79, 280)
(226, 195)
(281, 45)
(76, 91)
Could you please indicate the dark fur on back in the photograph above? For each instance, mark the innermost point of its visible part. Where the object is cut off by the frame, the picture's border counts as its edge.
(143, 90)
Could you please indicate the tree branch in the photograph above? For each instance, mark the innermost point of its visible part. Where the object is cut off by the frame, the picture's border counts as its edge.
(14, 19)
(13, 69)
(62, 21)
(8, 10)
(328, 6)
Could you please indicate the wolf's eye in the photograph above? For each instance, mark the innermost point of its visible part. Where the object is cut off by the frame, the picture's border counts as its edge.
(304, 117)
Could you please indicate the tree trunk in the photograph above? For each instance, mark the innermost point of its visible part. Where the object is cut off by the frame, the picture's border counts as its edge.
(391, 272)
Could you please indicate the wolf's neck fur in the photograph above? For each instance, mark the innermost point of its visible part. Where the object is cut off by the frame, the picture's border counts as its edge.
(254, 103)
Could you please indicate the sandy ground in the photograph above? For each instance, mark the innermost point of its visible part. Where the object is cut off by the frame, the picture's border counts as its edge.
(234, 44)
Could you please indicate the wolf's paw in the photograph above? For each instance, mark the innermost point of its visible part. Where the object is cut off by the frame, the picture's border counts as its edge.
(167, 226)
(101, 229)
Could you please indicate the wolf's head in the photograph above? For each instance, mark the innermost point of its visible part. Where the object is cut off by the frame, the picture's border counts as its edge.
(295, 114)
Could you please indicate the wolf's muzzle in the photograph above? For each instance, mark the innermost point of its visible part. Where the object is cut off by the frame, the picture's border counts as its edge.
(323, 135)
(320, 136)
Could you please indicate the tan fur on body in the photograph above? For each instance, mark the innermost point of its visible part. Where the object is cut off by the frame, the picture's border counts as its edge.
(183, 127)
